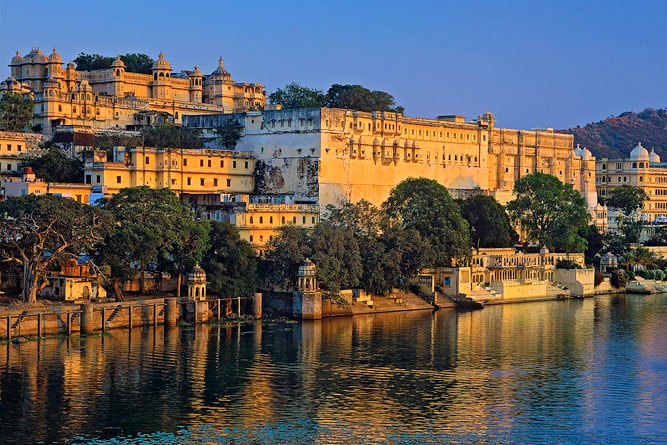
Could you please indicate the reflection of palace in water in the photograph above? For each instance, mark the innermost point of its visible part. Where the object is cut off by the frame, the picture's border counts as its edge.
(365, 376)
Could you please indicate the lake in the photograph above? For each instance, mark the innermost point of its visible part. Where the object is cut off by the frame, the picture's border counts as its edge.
(574, 371)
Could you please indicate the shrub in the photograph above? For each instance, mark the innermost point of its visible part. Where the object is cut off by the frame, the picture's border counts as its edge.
(619, 278)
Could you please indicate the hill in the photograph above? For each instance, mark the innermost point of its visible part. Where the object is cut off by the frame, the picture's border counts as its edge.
(615, 136)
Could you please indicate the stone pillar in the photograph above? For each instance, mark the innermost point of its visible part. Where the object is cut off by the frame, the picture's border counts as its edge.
(170, 312)
(87, 319)
(257, 305)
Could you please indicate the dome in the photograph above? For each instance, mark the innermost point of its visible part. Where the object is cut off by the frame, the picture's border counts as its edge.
(39, 57)
(586, 154)
(17, 59)
(161, 63)
(608, 259)
(70, 66)
(653, 156)
(221, 71)
(55, 57)
(51, 83)
(118, 63)
(197, 275)
(307, 268)
(577, 150)
(197, 71)
(639, 153)
(11, 84)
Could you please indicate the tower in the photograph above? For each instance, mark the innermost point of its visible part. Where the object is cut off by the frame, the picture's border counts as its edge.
(307, 300)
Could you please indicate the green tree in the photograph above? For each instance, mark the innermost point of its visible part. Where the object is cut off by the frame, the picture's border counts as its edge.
(38, 232)
(489, 223)
(285, 252)
(357, 97)
(297, 96)
(15, 112)
(426, 206)
(594, 243)
(337, 257)
(90, 62)
(627, 198)
(172, 136)
(230, 263)
(151, 226)
(56, 166)
(138, 63)
(551, 213)
(228, 133)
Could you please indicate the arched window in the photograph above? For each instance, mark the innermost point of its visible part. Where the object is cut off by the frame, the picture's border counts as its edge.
(154, 76)
(634, 165)
(118, 72)
(251, 221)
(251, 238)
(261, 220)
(270, 219)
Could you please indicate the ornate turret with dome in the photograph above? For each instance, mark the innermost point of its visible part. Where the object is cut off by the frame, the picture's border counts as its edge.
(221, 71)
(639, 153)
(654, 157)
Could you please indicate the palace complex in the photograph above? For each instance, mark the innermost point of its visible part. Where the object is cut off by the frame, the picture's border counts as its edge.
(114, 98)
(334, 156)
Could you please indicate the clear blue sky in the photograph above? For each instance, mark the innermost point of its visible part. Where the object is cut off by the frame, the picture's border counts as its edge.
(531, 63)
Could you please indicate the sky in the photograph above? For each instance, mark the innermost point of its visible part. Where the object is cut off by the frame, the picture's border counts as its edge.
(533, 64)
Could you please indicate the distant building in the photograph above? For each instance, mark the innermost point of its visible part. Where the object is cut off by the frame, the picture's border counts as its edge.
(14, 147)
(115, 98)
(642, 169)
(334, 156)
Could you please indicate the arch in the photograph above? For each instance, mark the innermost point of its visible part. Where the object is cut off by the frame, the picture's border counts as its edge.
(118, 72)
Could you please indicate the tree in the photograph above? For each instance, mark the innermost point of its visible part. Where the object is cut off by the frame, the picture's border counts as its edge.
(172, 136)
(228, 132)
(627, 198)
(90, 62)
(357, 97)
(230, 263)
(15, 112)
(56, 166)
(39, 232)
(297, 96)
(550, 213)
(426, 206)
(336, 255)
(153, 224)
(138, 63)
(594, 243)
(285, 252)
(489, 223)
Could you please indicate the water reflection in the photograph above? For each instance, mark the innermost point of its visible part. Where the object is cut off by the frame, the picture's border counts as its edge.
(570, 372)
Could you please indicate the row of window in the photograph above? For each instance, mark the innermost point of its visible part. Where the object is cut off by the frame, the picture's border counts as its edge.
(283, 221)
(9, 147)
(618, 179)
(619, 165)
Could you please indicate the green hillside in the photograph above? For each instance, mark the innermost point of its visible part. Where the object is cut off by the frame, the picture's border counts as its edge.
(615, 136)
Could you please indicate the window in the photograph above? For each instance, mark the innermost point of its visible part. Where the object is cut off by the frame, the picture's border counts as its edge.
(304, 220)
(261, 220)
(97, 176)
(215, 182)
(201, 162)
(118, 180)
(270, 219)
(209, 163)
(234, 164)
(148, 160)
(201, 181)
(18, 147)
(9, 147)
(185, 162)
(246, 164)
(283, 218)
(89, 179)
(251, 238)
(313, 220)
(222, 163)
(261, 238)
(189, 181)
(229, 183)
(251, 220)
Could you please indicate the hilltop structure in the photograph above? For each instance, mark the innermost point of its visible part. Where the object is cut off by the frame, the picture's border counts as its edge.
(114, 98)
(336, 156)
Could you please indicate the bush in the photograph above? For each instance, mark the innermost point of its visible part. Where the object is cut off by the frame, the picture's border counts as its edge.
(659, 274)
(599, 278)
(567, 264)
(619, 278)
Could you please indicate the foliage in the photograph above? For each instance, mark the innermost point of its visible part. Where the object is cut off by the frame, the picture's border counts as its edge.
(56, 166)
(615, 136)
(627, 198)
(230, 263)
(489, 223)
(228, 133)
(151, 225)
(297, 96)
(171, 136)
(659, 274)
(357, 97)
(599, 278)
(285, 252)
(15, 112)
(567, 264)
(659, 238)
(640, 255)
(39, 232)
(594, 243)
(107, 141)
(550, 212)
(337, 257)
(619, 279)
(426, 206)
(134, 62)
